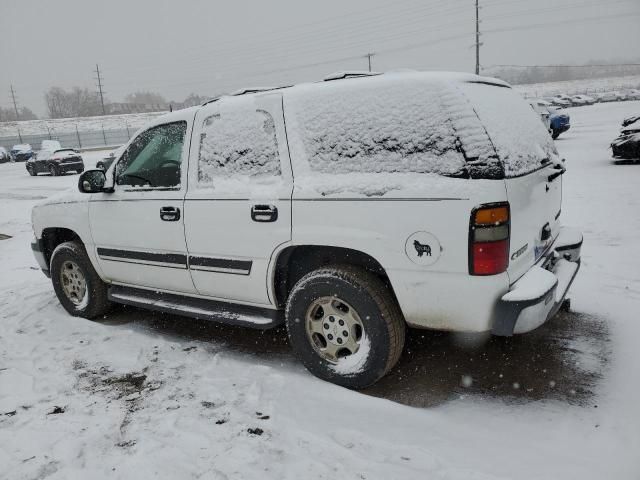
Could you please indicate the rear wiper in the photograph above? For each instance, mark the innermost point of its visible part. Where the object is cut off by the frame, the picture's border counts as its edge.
(559, 171)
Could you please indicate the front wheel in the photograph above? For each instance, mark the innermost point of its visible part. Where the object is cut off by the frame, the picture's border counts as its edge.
(77, 285)
(555, 134)
(345, 326)
(31, 170)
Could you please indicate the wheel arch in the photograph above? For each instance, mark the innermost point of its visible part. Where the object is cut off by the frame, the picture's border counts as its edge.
(54, 236)
(295, 261)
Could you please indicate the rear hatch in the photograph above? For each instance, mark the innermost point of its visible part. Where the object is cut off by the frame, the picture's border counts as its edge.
(533, 171)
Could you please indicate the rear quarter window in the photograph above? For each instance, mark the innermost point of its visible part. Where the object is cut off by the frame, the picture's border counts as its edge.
(379, 127)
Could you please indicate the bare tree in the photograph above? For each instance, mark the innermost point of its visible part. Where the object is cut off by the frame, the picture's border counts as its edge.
(77, 102)
(145, 98)
(9, 114)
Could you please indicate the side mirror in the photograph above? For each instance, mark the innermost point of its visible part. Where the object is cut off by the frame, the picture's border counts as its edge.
(92, 181)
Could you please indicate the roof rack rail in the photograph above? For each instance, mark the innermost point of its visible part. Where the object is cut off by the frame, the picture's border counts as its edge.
(211, 100)
(349, 74)
(244, 91)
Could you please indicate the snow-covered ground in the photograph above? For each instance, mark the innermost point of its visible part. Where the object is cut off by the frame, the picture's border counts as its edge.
(139, 395)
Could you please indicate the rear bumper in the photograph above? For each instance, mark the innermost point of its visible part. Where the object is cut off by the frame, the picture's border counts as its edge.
(68, 167)
(538, 294)
(561, 128)
(36, 247)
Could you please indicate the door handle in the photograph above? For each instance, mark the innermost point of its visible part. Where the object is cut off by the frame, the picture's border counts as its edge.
(169, 214)
(264, 213)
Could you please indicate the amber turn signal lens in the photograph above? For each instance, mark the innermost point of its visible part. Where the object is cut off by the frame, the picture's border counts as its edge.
(492, 216)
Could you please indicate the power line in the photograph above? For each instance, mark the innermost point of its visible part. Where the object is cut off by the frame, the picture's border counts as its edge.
(100, 92)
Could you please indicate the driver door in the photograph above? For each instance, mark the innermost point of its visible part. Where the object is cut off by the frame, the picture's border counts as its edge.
(138, 229)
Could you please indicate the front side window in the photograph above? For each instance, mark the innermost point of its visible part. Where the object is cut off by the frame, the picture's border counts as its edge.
(238, 144)
(153, 159)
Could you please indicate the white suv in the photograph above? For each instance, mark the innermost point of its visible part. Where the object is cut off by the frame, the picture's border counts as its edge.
(349, 209)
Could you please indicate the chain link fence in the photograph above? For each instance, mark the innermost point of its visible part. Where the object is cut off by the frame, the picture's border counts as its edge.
(80, 133)
(78, 139)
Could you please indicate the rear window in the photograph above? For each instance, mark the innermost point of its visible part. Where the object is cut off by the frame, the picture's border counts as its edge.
(516, 131)
(380, 127)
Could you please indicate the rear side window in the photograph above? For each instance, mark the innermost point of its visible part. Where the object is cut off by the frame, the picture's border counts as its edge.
(380, 127)
(238, 143)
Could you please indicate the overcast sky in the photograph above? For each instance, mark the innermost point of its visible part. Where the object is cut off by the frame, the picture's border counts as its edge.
(213, 46)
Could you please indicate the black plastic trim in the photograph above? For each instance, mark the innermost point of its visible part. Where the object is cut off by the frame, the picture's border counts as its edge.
(175, 259)
(221, 263)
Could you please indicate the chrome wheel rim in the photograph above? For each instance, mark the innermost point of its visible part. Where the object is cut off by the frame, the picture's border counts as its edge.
(74, 285)
(333, 328)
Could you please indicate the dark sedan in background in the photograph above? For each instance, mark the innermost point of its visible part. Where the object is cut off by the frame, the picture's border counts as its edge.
(55, 162)
(627, 145)
(21, 152)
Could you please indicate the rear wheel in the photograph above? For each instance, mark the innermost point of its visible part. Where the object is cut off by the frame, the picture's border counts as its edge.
(345, 326)
(77, 285)
(53, 170)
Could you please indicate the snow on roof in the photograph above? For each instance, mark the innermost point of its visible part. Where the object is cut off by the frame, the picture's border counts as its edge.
(415, 123)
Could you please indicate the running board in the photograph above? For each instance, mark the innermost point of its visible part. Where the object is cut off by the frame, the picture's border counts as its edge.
(229, 313)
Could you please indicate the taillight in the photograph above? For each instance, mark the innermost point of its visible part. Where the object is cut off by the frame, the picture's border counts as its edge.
(489, 231)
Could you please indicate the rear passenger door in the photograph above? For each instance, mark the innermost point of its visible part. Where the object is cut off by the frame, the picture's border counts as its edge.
(238, 202)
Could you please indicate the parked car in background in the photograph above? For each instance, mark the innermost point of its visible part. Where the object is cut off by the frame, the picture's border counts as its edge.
(614, 96)
(579, 100)
(561, 101)
(627, 145)
(630, 120)
(559, 122)
(21, 152)
(457, 202)
(554, 119)
(55, 162)
(4, 155)
(632, 94)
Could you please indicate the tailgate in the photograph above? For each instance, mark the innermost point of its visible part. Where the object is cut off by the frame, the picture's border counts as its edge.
(535, 201)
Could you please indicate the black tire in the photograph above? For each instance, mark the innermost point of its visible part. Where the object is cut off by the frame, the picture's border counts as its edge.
(95, 302)
(53, 170)
(31, 170)
(555, 134)
(383, 323)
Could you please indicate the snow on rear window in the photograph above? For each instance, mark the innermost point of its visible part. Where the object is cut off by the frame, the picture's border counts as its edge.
(516, 131)
(380, 127)
(238, 143)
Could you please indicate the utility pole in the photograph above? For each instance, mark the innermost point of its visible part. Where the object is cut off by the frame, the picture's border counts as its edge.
(15, 103)
(369, 56)
(477, 38)
(100, 92)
